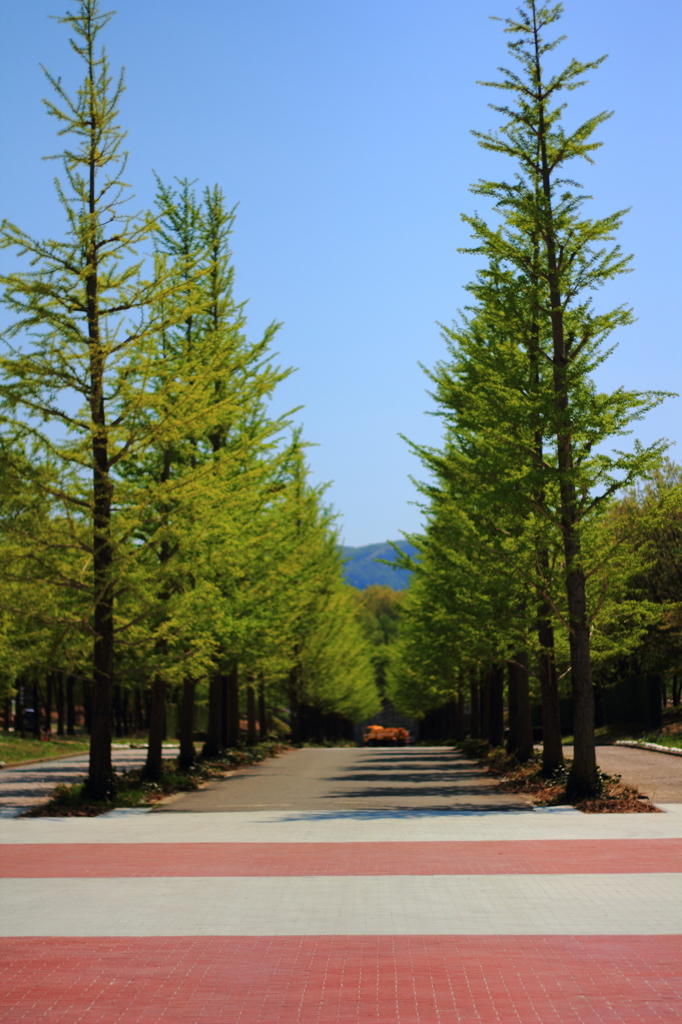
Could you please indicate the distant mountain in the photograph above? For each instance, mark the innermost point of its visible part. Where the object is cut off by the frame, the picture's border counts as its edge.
(362, 570)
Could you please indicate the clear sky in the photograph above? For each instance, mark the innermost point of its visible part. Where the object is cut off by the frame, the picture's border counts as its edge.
(342, 130)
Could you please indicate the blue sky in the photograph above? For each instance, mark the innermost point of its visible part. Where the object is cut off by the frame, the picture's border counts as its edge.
(342, 129)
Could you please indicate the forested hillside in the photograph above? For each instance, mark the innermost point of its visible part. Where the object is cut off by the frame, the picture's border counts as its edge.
(364, 567)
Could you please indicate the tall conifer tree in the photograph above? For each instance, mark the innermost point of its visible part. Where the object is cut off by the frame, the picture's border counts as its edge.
(546, 237)
(87, 310)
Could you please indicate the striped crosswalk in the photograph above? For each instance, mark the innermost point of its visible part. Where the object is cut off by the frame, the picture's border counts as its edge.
(388, 916)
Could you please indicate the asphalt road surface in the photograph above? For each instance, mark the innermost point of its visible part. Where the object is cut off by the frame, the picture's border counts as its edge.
(352, 778)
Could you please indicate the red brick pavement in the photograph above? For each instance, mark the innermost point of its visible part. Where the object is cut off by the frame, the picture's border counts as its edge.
(343, 980)
(510, 857)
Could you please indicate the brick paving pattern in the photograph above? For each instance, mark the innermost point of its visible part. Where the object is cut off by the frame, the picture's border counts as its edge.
(514, 857)
(342, 916)
(408, 979)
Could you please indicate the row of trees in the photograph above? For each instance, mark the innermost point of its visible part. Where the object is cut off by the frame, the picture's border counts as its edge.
(533, 563)
(158, 529)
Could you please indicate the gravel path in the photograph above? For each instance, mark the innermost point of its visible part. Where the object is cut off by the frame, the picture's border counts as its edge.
(658, 776)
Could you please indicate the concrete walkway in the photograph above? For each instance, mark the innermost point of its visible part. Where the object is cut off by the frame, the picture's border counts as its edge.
(351, 778)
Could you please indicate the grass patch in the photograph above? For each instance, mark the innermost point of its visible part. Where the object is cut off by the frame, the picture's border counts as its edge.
(132, 790)
(328, 743)
(604, 735)
(670, 733)
(527, 778)
(665, 739)
(14, 749)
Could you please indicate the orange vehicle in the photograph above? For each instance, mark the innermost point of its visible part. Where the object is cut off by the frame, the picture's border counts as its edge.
(378, 736)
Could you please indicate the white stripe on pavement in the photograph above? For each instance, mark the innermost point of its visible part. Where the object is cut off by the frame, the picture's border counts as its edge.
(611, 904)
(342, 827)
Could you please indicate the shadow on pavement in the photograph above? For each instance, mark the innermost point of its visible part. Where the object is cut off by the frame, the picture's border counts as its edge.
(370, 813)
(413, 776)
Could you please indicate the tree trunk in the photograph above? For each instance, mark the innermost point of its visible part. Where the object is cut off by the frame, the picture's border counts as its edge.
(552, 750)
(70, 706)
(225, 731)
(460, 731)
(139, 725)
(552, 753)
(513, 705)
(19, 710)
(117, 711)
(583, 776)
(295, 719)
(153, 769)
(251, 737)
(583, 780)
(655, 711)
(7, 714)
(125, 712)
(59, 679)
(474, 694)
(233, 734)
(524, 734)
(451, 727)
(87, 706)
(36, 711)
(262, 709)
(485, 704)
(100, 783)
(49, 687)
(496, 735)
(212, 745)
(187, 755)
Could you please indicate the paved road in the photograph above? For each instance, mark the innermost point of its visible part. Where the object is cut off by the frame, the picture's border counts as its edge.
(351, 778)
(31, 784)
(347, 778)
(658, 776)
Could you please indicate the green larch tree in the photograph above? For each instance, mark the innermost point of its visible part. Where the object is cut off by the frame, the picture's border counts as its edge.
(87, 307)
(545, 233)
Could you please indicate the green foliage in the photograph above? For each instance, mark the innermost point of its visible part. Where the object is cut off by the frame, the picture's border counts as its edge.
(639, 621)
(378, 611)
(521, 546)
(157, 527)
